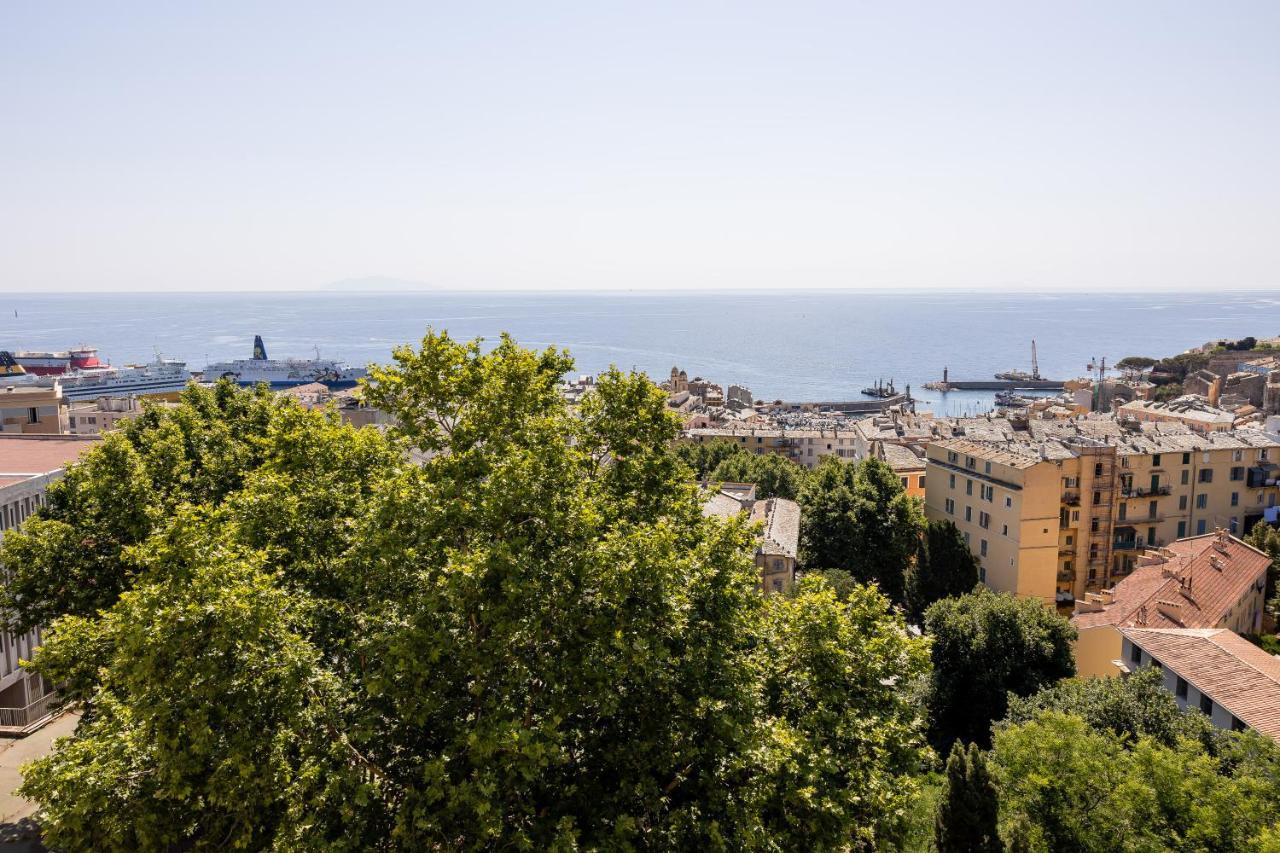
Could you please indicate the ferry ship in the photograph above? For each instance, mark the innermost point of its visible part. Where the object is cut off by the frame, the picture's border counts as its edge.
(12, 373)
(283, 373)
(56, 363)
(161, 377)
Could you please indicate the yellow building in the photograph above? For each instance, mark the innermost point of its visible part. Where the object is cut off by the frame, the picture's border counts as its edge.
(33, 410)
(906, 463)
(1066, 509)
(779, 526)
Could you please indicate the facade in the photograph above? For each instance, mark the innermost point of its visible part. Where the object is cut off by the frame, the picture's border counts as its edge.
(906, 463)
(779, 537)
(1067, 507)
(805, 447)
(1233, 682)
(102, 415)
(1196, 412)
(1213, 581)
(28, 464)
(33, 410)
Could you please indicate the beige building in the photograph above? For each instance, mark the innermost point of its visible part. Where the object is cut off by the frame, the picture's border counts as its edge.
(805, 447)
(33, 410)
(906, 463)
(28, 464)
(1066, 508)
(102, 415)
(1212, 581)
(1194, 411)
(779, 537)
(1224, 676)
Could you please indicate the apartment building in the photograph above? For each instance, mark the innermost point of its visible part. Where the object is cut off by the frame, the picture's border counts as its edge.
(1067, 507)
(33, 410)
(28, 464)
(1212, 581)
(805, 447)
(102, 415)
(906, 463)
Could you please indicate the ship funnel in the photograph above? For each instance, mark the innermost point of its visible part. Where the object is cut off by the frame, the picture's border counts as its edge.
(259, 350)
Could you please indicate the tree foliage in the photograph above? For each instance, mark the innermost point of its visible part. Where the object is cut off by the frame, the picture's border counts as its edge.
(945, 568)
(967, 820)
(1064, 786)
(987, 645)
(858, 518)
(534, 639)
(1135, 363)
(1266, 539)
(775, 476)
(704, 456)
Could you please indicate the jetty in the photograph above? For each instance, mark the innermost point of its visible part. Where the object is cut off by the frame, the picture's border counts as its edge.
(948, 384)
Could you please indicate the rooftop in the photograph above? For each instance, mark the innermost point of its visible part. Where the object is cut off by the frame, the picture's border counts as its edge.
(1227, 668)
(1192, 583)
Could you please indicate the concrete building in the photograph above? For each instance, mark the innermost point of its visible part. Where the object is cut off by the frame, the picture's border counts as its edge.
(1066, 508)
(779, 537)
(102, 415)
(1233, 682)
(28, 464)
(33, 410)
(805, 447)
(1212, 581)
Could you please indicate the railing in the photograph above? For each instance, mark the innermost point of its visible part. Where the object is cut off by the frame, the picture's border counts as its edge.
(1140, 492)
(1071, 498)
(20, 718)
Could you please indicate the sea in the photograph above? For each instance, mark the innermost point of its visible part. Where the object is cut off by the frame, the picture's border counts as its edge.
(794, 346)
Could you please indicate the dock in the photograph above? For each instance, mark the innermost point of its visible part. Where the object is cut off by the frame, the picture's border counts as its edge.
(999, 385)
(849, 407)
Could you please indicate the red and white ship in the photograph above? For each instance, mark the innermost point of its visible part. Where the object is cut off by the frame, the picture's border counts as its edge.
(58, 363)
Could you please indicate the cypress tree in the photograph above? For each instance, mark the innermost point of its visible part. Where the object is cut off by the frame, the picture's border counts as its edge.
(967, 813)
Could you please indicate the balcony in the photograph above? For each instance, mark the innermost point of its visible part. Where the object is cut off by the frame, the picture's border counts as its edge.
(1071, 498)
(23, 720)
(1140, 492)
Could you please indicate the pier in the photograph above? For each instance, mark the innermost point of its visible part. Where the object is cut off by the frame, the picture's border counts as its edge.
(999, 385)
(848, 407)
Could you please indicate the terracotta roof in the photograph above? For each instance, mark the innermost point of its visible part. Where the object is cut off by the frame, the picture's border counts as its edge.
(1224, 666)
(29, 456)
(1193, 583)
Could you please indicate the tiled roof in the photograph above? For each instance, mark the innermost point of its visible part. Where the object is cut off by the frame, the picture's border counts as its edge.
(1227, 668)
(1193, 583)
(781, 519)
(901, 458)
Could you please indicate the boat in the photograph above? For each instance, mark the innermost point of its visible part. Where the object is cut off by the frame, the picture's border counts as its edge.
(163, 376)
(58, 362)
(283, 373)
(12, 373)
(1010, 400)
(1022, 375)
(880, 390)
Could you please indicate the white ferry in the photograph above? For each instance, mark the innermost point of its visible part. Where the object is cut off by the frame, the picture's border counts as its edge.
(162, 376)
(283, 373)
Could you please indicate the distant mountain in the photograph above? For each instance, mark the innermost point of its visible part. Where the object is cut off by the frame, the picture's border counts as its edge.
(376, 284)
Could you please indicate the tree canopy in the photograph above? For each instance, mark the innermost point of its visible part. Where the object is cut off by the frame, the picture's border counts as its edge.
(945, 567)
(775, 476)
(987, 645)
(293, 637)
(704, 456)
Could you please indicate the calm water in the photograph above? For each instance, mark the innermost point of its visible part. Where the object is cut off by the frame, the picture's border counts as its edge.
(807, 346)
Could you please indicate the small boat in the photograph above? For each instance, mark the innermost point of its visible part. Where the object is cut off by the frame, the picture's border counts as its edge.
(880, 390)
(1010, 400)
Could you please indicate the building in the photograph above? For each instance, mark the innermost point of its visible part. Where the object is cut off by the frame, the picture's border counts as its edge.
(1233, 682)
(102, 415)
(1212, 581)
(906, 463)
(1193, 411)
(805, 447)
(779, 536)
(33, 410)
(28, 464)
(1066, 507)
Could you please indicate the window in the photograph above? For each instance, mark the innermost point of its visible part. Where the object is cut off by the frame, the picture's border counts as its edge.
(1072, 482)
(1182, 502)
(1005, 531)
(1186, 459)
(1200, 527)
(970, 462)
(759, 439)
(982, 573)
(904, 482)
(1235, 499)
(988, 493)
(1071, 540)
(952, 456)
(1202, 501)
(951, 482)
(1237, 455)
(984, 520)
(1135, 654)
(1262, 455)
(968, 513)
(968, 487)
(1124, 512)
(1153, 509)
(1206, 475)
(1180, 689)
(1186, 477)
(922, 481)
(1206, 705)
(950, 506)
(986, 467)
(1237, 473)
(1233, 525)
(1182, 529)
(982, 547)
(1155, 460)
(1097, 497)
(1008, 502)
(1097, 469)
(1075, 515)
(1151, 536)
(1093, 525)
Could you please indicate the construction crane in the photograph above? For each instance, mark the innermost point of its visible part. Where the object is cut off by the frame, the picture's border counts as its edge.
(1035, 365)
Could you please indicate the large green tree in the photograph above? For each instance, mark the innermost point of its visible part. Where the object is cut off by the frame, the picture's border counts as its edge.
(775, 476)
(968, 813)
(704, 456)
(858, 518)
(986, 646)
(533, 639)
(945, 567)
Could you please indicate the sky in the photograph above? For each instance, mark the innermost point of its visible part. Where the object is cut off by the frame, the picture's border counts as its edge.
(607, 146)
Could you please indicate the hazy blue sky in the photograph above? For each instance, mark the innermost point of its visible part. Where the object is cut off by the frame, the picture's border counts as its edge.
(1028, 145)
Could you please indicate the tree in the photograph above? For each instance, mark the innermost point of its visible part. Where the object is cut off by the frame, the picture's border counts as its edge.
(1131, 707)
(703, 457)
(987, 645)
(838, 580)
(1064, 786)
(968, 813)
(1266, 539)
(858, 518)
(944, 568)
(532, 639)
(775, 476)
(1165, 393)
(1136, 363)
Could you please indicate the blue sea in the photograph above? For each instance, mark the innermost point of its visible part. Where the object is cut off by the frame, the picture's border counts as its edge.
(791, 346)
